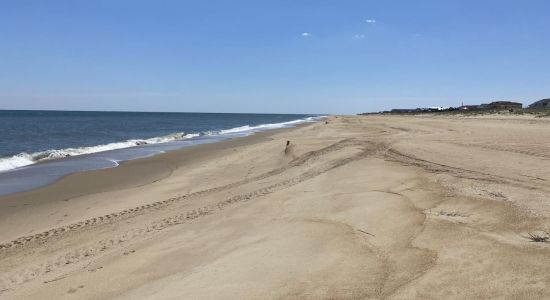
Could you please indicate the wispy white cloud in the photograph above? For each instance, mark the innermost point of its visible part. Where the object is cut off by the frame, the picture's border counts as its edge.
(370, 21)
(358, 37)
(306, 34)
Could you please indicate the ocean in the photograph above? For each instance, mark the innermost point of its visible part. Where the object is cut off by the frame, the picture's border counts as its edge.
(39, 147)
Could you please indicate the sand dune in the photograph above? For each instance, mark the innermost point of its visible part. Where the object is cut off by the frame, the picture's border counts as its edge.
(372, 207)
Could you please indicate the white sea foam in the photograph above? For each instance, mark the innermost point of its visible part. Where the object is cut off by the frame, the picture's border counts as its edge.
(25, 159)
(16, 161)
(248, 128)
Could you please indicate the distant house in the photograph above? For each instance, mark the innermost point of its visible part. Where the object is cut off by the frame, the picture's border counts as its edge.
(541, 104)
(437, 108)
(468, 107)
(503, 105)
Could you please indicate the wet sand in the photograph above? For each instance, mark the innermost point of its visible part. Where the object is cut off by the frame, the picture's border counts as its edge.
(370, 207)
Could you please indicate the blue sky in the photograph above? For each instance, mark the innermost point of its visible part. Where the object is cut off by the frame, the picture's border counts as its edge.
(271, 56)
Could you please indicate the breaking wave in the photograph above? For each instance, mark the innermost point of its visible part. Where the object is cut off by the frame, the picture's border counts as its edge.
(247, 128)
(25, 159)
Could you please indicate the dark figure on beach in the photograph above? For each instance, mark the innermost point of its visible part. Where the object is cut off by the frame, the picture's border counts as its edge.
(287, 148)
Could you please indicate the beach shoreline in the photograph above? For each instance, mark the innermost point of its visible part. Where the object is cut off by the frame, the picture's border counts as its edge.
(396, 207)
(128, 174)
(24, 171)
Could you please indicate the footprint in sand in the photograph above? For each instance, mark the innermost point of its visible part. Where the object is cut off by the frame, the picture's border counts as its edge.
(129, 252)
(74, 290)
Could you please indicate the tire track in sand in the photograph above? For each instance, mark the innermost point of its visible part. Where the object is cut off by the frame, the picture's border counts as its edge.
(307, 157)
(77, 256)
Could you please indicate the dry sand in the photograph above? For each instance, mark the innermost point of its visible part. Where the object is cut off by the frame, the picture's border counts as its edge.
(374, 207)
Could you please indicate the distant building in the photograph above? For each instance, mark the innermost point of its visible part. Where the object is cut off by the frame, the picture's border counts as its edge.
(541, 104)
(438, 108)
(469, 107)
(502, 105)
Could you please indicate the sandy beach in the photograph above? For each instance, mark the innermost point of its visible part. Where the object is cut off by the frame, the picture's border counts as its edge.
(360, 207)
